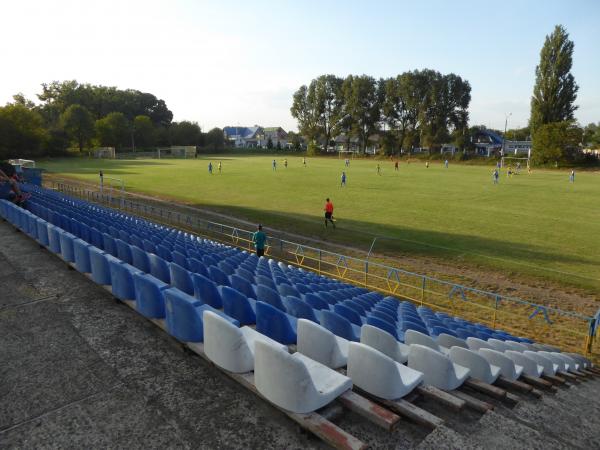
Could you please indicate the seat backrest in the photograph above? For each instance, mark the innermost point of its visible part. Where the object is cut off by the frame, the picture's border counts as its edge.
(499, 345)
(382, 341)
(124, 251)
(383, 315)
(159, 268)
(164, 252)
(437, 369)
(270, 296)
(180, 259)
(140, 259)
(320, 344)
(480, 367)
(297, 308)
(197, 266)
(315, 302)
(206, 291)
(181, 278)
(149, 246)
(226, 268)
(477, 344)
(338, 325)
(383, 325)
(225, 344)
(237, 305)
(447, 340)
(108, 243)
(218, 276)
(348, 313)
(149, 297)
(242, 285)
(275, 324)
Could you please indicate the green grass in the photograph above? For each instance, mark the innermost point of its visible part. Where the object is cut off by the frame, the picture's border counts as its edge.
(536, 225)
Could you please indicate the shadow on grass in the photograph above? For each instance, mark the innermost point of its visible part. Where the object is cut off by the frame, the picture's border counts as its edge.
(508, 255)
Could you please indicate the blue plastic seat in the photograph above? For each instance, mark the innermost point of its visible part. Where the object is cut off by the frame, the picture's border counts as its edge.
(242, 285)
(54, 239)
(184, 316)
(245, 274)
(328, 297)
(136, 241)
(226, 268)
(113, 232)
(181, 278)
(270, 296)
(340, 326)
(124, 251)
(348, 313)
(206, 291)
(382, 314)
(463, 333)
(81, 255)
(66, 247)
(315, 302)
(139, 259)
(237, 305)
(266, 280)
(164, 252)
(96, 238)
(180, 259)
(109, 245)
(159, 268)
(42, 228)
(124, 236)
(149, 295)
(436, 331)
(149, 246)
(484, 335)
(100, 269)
(121, 276)
(197, 266)
(275, 324)
(383, 324)
(218, 276)
(299, 309)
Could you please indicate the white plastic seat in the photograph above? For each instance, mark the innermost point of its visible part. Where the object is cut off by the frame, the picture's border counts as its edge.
(449, 341)
(562, 367)
(550, 367)
(516, 346)
(582, 360)
(499, 345)
(380, 375)
(230, 347)
(437, 368)
(415, 337)
(477, 344)
(480, 368)
(322, 345)
(508, 369)
(546, 348)
(530, 367)
(295, 382)
(571, 364)
(384, 342)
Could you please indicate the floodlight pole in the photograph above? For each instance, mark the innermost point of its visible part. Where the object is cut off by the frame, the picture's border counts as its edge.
(506, 116)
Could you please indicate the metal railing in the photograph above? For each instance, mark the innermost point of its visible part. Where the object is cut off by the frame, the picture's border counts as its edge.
(568, 330)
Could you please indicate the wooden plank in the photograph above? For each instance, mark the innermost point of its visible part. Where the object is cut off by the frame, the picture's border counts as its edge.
(474, 403)
(443, 397)
(408, 410)
(517, 385)
(568, 376)
(313, 422)
(536, 393)
(554, 379)
(537, 382)
(485, 388)
(512, 399)
(369, 410)
(579, 374)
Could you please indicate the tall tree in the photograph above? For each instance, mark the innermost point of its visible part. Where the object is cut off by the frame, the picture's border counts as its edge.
(113, 130)
(555, 141)
(329, 102)
(22, 132)
(306, 111)
(185, 133)
(555, 89)
(78, 123)
(215, 139)
(362, 104)
(143, 131)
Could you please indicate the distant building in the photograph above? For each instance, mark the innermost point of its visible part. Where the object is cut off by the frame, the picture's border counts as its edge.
(277, 135)
(244, 137)
(489, 143)
(345, 143)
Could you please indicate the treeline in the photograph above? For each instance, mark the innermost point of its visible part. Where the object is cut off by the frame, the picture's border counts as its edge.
(422, 108)
(74, 115)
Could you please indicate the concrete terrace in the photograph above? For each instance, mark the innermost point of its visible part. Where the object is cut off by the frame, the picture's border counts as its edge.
(80, 370)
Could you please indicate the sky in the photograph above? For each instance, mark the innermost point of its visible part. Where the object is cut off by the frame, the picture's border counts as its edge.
(239, 62)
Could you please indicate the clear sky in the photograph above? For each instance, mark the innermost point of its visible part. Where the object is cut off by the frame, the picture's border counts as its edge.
(238, 62)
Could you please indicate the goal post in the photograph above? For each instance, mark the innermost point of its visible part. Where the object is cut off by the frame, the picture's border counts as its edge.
(508, 160)
(346, 153)
(104, 153)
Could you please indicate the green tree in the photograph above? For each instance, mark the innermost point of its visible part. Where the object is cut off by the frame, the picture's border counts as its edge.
(555, 141)
(215, 139)
(78, 123)
(113, 130)
(143, 131)
(591, 135)
(270, 143)
(185, 133)
(555, 89)
(361, 99)
(22, 132)
(306, 110)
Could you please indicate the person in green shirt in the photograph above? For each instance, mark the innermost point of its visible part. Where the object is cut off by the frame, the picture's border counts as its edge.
(260, 239)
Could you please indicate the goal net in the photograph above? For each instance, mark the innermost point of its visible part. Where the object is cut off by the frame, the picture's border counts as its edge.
(184, 152)
(104, 152)
(346, 154)
(514, 162)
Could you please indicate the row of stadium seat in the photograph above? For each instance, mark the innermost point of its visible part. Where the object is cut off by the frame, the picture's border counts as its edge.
(321, 318)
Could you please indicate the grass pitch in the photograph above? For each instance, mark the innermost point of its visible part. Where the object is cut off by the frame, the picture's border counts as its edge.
(539, 224)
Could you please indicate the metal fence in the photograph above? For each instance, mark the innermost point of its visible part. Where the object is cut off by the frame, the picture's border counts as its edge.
(567, 330)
